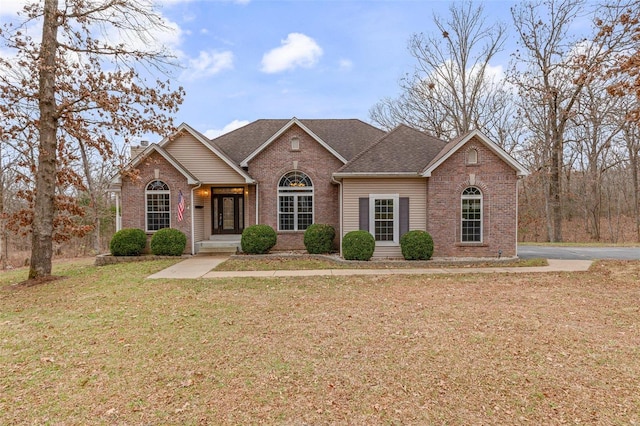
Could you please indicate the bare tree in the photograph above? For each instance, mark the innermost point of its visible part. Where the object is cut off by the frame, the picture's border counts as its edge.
(551, 69)
(622, 20)
(452, 89)
(631, 133)
(81, 83)
(594, 137)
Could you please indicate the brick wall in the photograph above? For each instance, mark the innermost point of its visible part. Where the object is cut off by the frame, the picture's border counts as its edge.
(133, 195)
(498, 183)
(277, 159)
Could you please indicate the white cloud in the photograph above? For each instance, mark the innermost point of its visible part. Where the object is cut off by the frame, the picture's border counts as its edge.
(235, 124)
(495, 73)
(298, 50)
(208, 63)
(345, 65)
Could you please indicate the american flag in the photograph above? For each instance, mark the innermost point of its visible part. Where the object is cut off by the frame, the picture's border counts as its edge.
(180, 206)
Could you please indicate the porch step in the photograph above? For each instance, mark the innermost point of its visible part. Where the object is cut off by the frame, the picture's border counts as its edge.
(216, 247)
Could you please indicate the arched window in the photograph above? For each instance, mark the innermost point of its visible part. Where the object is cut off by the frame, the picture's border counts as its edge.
(471, 215)
(295, 202)
(158, 206)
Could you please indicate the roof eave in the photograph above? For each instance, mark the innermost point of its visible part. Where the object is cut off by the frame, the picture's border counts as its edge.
(375, 175)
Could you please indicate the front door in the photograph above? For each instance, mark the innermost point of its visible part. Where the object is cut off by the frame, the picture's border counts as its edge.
(228, 210)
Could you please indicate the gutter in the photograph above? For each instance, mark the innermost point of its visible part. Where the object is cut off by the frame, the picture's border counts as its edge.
(343, 175)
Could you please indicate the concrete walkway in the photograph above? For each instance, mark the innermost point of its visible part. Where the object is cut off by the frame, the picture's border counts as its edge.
(201, 267)
(193, 267)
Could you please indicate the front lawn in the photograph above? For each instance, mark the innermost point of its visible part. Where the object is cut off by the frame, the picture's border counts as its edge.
(275, 262)
(107, 346)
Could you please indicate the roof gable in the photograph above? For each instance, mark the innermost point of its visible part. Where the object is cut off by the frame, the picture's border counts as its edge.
(209, 145)
(453, 146)
(191, 179)
(282, 130)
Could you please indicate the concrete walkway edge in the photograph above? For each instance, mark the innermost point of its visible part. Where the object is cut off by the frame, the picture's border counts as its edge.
(201, 267)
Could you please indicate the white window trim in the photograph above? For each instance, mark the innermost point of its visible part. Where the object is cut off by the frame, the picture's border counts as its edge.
(308, 191)
(396, 217)
(473, 197)
(146, 206)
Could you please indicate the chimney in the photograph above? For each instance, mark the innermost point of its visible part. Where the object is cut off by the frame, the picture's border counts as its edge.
(136, 150)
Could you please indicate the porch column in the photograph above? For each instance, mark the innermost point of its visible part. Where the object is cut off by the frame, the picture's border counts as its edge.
(118, 217)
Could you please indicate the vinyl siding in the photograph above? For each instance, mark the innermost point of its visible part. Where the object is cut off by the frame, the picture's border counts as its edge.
(198, 217)
(414, 189)
(202, 162)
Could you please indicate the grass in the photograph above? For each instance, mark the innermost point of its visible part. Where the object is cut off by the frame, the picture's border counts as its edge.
(304, 262)
(106, 346)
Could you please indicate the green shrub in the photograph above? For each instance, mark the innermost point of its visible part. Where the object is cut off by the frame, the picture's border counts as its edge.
(416, 245)
(258, 239)
(318, 238)
(168, 242)
(128, 242)
(358, 245)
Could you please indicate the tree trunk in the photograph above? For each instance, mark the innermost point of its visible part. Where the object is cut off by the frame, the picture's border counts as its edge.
(44, 208)
(555, 187)
(3, 235)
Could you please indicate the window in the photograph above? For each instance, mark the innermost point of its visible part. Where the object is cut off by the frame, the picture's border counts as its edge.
(157, 206)
(295, 202)
(384, 218)
(471, 215)
(472, 156)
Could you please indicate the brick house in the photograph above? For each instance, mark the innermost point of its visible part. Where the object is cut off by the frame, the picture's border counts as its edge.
(291, 173)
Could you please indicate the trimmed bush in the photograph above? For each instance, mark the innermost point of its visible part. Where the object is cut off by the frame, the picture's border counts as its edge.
(168, 242)
(318, 238)
(128, 242)
(358, 245)
(416, 245)
(258, 239)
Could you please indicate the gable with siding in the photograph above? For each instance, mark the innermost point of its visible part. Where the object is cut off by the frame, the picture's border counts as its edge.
(202, 161)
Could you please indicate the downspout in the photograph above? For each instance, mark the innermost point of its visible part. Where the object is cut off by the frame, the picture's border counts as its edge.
(193, 226)
(339, 212)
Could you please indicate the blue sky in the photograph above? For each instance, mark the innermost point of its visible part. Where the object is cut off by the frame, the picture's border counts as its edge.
(309, 59)
(250, 59)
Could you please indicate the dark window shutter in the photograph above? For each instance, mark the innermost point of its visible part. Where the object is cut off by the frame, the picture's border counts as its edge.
(364, 214)
(404, 215)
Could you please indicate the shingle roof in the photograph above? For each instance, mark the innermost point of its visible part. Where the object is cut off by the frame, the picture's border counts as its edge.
(348, 137)
(403, 150)
(446, 149)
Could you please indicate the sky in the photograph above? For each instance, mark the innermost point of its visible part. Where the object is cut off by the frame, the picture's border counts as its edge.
(249, 59)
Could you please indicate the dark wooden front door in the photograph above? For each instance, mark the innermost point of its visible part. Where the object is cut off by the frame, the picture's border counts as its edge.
(228, 213)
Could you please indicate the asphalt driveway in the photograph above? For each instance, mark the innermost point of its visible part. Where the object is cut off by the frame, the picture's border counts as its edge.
(579, 253)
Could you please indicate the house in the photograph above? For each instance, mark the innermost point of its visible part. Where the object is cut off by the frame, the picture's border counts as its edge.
(291, 173)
